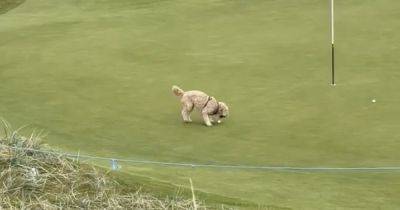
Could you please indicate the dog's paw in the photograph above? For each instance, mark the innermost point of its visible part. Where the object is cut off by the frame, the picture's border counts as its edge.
(187, 121)
(208, 124)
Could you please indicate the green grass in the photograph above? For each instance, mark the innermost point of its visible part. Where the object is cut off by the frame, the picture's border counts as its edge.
(97, 76)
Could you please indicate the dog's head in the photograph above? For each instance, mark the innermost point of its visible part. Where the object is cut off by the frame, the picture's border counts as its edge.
(223, 110)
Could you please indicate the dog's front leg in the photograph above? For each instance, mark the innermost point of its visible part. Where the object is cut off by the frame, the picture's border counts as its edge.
(206, 119)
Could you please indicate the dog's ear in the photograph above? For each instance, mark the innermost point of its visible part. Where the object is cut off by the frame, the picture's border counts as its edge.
(222, 104)
(223, 109)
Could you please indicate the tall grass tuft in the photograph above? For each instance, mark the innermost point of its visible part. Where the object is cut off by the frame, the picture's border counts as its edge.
(31, 179)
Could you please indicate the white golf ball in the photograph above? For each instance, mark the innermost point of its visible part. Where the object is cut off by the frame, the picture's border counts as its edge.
(219, 121)
(373, 100)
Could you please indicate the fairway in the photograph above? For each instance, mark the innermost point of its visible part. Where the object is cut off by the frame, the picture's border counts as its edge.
(97, 76)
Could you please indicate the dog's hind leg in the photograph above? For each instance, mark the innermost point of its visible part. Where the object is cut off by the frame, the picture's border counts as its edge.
(186, 115)
(186, 109)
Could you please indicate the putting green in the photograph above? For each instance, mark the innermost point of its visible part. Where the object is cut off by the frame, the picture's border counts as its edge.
(97, 75)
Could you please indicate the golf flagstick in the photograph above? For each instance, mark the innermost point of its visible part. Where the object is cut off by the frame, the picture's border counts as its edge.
(333, 43)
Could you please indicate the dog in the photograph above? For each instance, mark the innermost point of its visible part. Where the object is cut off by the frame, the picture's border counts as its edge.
(211, 110)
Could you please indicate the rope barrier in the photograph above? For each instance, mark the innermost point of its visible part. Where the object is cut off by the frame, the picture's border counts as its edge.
(114, 163)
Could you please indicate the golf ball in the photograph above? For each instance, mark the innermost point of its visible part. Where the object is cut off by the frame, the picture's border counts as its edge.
(373, 100)
(219, 121)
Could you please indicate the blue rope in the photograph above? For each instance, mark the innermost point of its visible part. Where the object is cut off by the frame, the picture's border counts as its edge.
(221, 166)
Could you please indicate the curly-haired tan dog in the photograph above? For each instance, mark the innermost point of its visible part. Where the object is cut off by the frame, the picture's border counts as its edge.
(210, 108)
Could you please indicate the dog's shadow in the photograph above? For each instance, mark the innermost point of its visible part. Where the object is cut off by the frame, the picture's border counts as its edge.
(199, 123)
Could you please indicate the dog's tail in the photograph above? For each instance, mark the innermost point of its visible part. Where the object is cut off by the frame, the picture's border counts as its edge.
(177, 91)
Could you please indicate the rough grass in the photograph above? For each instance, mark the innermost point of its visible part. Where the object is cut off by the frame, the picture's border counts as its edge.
(35, 180)
(6, 5)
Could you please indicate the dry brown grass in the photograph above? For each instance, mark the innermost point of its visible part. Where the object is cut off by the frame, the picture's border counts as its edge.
(32, 179)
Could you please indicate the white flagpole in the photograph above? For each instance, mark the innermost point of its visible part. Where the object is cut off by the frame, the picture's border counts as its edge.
(333, 42)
